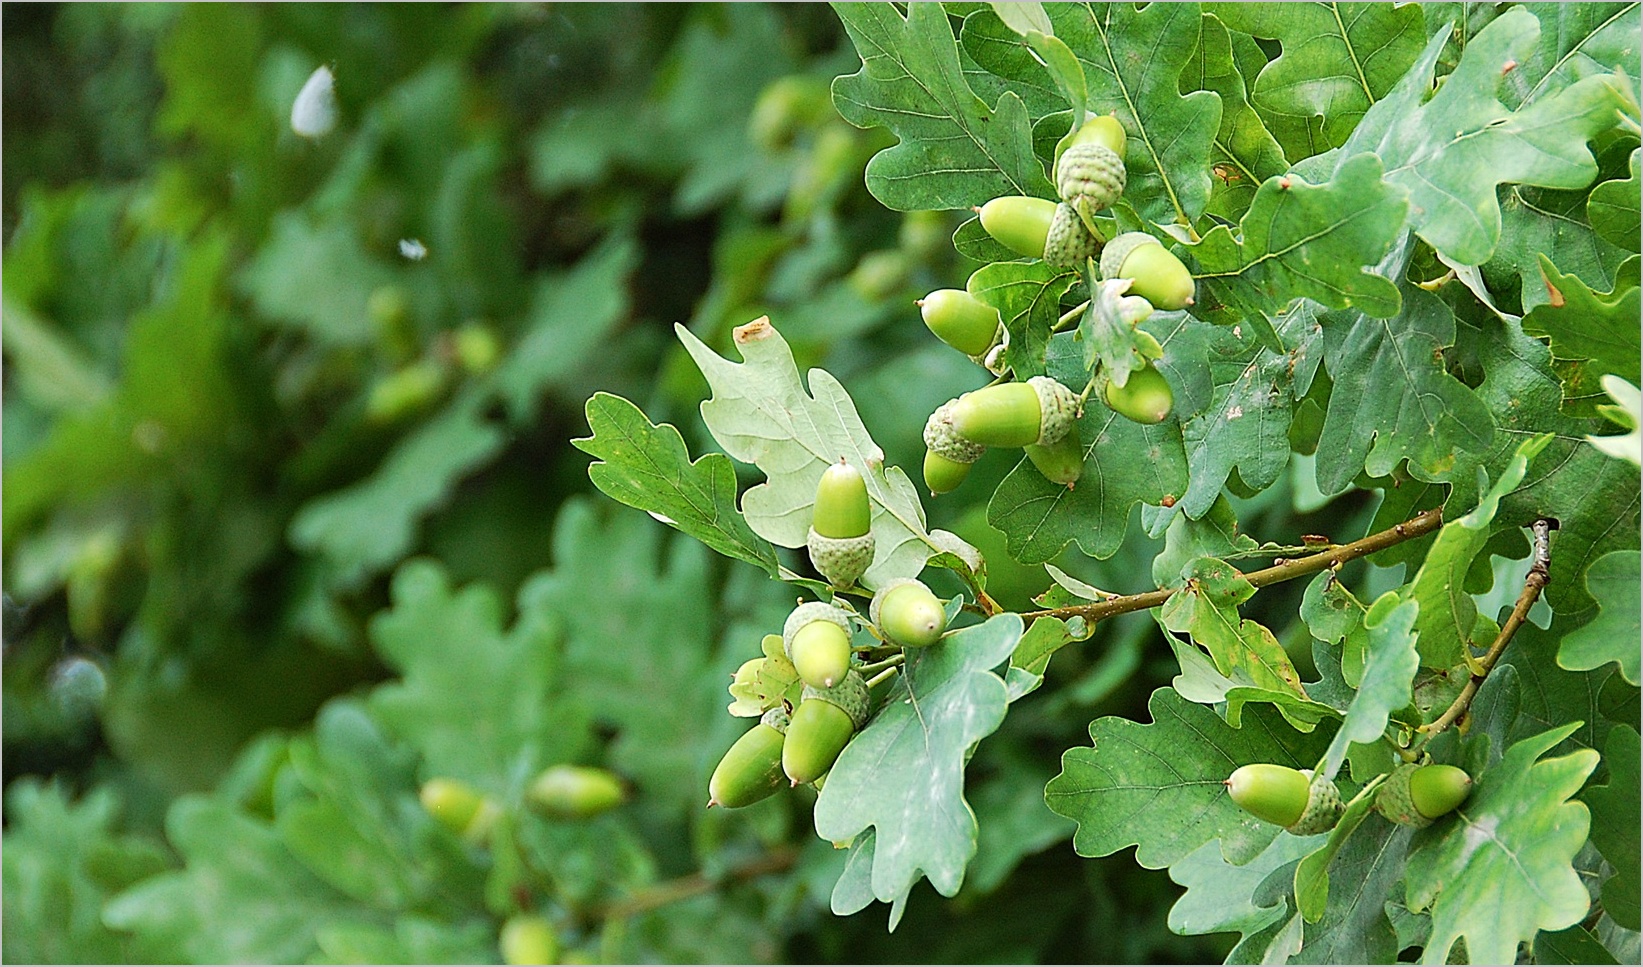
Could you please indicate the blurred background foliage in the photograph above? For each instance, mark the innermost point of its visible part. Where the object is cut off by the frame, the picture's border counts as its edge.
(292, 523)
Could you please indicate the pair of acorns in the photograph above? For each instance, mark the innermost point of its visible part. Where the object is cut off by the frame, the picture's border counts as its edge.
(1413, 795)
(560, 792)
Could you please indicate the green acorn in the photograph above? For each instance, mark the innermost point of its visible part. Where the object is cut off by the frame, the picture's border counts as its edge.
(961, 320)
(1019, 223)
(1145, 397)
(816, 637)
(752, 769)
(948, 456)
(1154, 273)
(1104, 131)
(460, 808)
(841, 536)
(528, 939)
(575, 792)
(908, 614)
(822, 726)
(1039, 411)
(1061, 462)
(1415, 795)
(1286, 797)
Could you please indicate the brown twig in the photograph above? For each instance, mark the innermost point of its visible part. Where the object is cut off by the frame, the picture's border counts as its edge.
(695, 884)
(1533, 583)
(1417, 526)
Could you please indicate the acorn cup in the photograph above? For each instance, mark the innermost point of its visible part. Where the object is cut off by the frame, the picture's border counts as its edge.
(1145, 397)
(948, 456)
(752, 770)
(822, 726)
(1286, 797)
(1040, 411)
(961, 320)
(1155, 274)
(841, 536)
(908, 614)
(1039, 228)
(1090, 173)
(816, 637)
(1415, 795)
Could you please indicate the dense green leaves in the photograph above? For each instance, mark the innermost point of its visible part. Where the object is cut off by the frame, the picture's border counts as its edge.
(1309, 241)
(956, 151)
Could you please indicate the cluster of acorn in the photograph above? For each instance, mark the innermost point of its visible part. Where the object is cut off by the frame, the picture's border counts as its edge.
(1040, 414)
(809, 690)
(1304, 804)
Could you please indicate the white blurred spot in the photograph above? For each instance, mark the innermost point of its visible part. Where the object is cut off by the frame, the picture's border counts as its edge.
(666, 520)
(413, 249)
(314, 112)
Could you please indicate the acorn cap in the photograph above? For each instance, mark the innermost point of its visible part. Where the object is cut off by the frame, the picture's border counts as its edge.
(1057, 407)
(940, 437)
(1068, 243)
(840, 559)
(1323, 808)
(777, 718)
(850, 694)
(908, 613)
(1090, 177)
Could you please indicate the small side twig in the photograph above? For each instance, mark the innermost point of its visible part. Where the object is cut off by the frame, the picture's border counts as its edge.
(1536, 581)
(685, 887)
(1420, 524)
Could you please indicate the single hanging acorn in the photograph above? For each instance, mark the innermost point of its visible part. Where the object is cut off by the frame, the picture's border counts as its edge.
(528, 939)
(1155, 274)
(460, 808)
(908, 614)
(575, 792)
(1145, 397)
(822, 726)
(1286, 797)
(1040, 229)
(1415, 795)
(752, 769)
(1090, 172)
(948, 456)
(1040, 411)
(961, 320)
(841, 535)
(1061, 462)
(816, 637)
